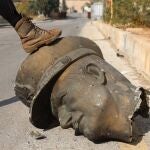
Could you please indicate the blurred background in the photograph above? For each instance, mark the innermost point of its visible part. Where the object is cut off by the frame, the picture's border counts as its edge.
(126, 12)
(122, 13)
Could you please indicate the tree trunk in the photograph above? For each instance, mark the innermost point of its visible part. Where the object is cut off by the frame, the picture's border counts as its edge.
(111, 8)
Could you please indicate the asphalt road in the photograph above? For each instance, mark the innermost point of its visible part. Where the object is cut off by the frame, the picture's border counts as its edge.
(15, 128)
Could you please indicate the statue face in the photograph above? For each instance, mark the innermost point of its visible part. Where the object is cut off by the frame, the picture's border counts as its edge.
(93, 112)
(95, 104)
(87, 110)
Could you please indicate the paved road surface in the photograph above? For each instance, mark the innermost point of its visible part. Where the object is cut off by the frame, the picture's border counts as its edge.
(15, 128)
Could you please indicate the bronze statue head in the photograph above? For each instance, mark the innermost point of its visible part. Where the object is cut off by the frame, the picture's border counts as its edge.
(71, 82)
(96, 100)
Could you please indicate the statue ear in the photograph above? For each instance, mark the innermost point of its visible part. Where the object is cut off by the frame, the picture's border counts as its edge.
(95, 71)
(64, 116)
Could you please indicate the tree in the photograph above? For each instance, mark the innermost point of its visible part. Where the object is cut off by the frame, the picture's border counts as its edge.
(127, 12)
(64, 6)
(47, 6)
(27, 7)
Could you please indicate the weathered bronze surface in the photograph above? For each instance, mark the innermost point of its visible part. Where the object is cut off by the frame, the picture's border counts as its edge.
(70, 81)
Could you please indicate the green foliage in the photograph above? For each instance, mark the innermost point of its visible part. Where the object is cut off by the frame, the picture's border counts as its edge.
(32, 7)
(143, 7)
(47, 6)
(64, 6)
(27, 8)
(129, 12)
(123, 11)
(107, 13)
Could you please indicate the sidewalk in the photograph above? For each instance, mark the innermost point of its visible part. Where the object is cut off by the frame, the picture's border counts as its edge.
(133, 43)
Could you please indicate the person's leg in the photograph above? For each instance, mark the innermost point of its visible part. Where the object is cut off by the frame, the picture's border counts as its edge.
(9, 12)
(32, 37)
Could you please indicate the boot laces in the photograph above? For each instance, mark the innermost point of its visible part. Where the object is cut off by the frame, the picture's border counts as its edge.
(39, 31)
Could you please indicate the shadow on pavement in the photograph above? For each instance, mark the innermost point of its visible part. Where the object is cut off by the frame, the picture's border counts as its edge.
(8, 101)
(143, 125)
(5, 26)
(72, 17)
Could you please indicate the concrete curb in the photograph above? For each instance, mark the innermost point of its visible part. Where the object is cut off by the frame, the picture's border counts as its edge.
(135, 47)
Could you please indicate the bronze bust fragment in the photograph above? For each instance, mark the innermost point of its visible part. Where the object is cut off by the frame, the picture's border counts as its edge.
(71, 82)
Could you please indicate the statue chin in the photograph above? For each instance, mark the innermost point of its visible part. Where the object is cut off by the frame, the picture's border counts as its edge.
(70, 82)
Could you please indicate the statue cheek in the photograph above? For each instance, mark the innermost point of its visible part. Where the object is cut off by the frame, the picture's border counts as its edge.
(65, 117)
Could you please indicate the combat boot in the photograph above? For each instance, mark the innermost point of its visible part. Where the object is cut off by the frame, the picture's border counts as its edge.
(33, 37)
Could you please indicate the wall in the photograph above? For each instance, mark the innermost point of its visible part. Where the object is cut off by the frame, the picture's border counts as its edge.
(135, 47)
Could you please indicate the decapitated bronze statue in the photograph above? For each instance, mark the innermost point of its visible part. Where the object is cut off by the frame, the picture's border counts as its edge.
(71, 82)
